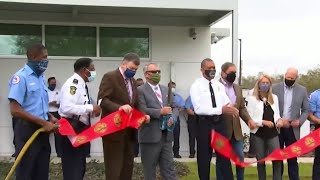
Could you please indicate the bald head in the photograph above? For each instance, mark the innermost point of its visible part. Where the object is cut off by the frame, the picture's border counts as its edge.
(291, 74)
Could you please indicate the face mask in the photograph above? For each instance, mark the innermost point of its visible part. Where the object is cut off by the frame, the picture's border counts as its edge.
(92, 76)
(155, 78)
(264, 87)
(39, 67)
(231, 77)
(289, 83)
(52, 87)
(210, 73)
(128, 73)
(173, 90)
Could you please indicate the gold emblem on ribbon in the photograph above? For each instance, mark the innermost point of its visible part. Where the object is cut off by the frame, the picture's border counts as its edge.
(81, 139)
(100, 128)
(219, 144)
(283, 153)
(117, 120)
(309, 142)
(296, 149)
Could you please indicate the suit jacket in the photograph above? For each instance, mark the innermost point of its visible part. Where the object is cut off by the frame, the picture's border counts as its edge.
(114, 93)
(299, 105)
(150, 105)
(233, 124)
(255, 108)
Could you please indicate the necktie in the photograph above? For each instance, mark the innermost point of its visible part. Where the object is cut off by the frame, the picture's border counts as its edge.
(213, 99)
(158, 94)
(127, 81)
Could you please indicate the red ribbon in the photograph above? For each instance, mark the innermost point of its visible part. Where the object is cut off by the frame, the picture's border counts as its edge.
(222, 145)
(110, 124)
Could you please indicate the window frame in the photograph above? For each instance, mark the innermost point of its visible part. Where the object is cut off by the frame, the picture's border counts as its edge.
(96, 25)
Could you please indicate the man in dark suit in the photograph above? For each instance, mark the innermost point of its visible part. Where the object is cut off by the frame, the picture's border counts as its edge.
(118, 91)
(155, 142)
(294, 109)
(233, 126)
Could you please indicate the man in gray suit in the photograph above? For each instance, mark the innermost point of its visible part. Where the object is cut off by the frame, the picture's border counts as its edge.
(155, 143)
(294, 108)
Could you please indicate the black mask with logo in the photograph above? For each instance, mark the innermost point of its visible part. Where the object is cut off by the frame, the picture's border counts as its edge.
(210, 73)
(289, 83)
(231, 77)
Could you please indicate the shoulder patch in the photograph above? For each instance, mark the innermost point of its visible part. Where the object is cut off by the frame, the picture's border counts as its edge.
(73, 90)
(75, 81)
(15, 79)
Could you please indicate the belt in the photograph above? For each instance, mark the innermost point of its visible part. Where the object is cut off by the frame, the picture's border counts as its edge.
(215, 118)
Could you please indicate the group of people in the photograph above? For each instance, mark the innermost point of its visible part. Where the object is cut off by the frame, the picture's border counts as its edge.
(274, 114)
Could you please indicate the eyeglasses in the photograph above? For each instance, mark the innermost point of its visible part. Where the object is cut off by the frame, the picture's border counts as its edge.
(154, 72)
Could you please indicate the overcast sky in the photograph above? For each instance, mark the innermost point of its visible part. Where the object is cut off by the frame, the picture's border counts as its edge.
(276, 34)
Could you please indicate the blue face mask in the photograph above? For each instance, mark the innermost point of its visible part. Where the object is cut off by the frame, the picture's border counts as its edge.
(264, 87)
(39, 67)
(129, 73)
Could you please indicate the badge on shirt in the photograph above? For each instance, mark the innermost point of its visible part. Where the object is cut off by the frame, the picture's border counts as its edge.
(15, 79)
(75, 81)
(73, 90)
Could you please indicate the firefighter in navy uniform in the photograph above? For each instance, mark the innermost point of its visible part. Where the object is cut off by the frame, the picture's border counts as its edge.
(76, 107)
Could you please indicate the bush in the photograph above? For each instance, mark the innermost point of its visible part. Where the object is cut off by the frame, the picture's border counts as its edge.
(95, 171)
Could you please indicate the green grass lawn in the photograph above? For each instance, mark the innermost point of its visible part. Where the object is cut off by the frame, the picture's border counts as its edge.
(251, 173)
(186, 171)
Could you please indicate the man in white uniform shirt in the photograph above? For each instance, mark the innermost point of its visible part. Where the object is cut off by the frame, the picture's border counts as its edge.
(210, 100)
(76, 107)
(53, 94)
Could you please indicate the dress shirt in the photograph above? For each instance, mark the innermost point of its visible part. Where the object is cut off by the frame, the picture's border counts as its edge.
(201, 97)
(230, 91)
(287, 101)
(53, 96)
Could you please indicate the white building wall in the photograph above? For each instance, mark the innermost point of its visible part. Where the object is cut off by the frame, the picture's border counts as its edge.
(167, 44)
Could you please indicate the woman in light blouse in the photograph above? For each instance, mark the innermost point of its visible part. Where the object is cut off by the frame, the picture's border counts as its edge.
(263, 108)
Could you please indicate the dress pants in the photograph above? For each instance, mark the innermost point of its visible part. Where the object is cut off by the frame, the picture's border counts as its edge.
(192, 130)
(176, 137)
(287, 138)
(204, 151)
(35, 163)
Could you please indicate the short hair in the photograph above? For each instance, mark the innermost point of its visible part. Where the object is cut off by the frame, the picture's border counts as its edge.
(203, 62)
(145, 68)
(51, 78)
(226, 66)
(171, 83)
(82, 63)
(35, 49)
(132, 57)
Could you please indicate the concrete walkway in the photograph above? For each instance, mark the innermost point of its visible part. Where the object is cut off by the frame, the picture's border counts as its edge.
(184, 159)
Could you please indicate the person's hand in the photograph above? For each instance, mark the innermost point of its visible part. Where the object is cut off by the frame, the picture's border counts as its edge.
(252, 124)
(49, 127)
(285, 123)
(279, 123)
(53, 119)
(166, 110)
(295, 123)
(126, 108)
(147, 119)
(96, 110)
(230, 110)
(170, 122)
(269, 124)
(190, 112)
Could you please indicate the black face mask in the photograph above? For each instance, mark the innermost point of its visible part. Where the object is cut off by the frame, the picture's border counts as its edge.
(231, 77)
(52, 86)
(210, 73)
(289, 83)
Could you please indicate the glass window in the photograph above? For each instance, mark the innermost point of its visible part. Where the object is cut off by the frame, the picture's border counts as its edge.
(116, 42)
(16, 38)
(71, 40)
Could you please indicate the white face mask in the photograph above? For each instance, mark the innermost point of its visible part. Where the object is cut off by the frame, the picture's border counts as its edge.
(173, 90)
(93, 75)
